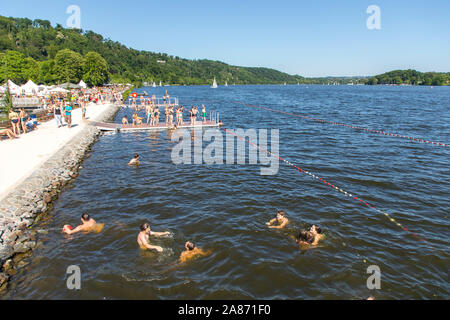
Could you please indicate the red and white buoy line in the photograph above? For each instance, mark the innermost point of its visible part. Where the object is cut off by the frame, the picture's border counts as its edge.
(347, 194)
(348, 125)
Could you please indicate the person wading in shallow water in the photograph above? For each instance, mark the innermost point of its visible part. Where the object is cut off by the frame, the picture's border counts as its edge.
(88, 224)
(143, 238)
(280, 219)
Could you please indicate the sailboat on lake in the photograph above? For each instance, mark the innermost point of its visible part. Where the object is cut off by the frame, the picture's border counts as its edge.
(214, 85)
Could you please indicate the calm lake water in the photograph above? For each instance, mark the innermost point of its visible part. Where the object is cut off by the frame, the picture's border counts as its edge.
(223, 208)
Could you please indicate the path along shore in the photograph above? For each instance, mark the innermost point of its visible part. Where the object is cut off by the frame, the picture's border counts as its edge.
(33, 170)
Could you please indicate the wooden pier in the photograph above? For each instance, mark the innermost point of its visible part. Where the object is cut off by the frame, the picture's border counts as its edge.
(107, 126)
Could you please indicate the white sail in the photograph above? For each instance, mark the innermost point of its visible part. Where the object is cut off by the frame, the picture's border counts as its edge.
(214, 86)
(154, 85)
(160, 84)
(226, 83)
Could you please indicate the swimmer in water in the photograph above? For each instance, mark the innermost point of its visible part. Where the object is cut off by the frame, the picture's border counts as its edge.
(304, 238)
(88, 224)
(143, 238)
(135, 161)
(316, 232)
(191, 252)
(280, 219)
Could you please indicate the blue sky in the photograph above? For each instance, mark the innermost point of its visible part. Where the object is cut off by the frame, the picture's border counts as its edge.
(309, 38)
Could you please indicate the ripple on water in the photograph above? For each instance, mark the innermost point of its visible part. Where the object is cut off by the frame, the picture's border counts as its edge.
(223, 208)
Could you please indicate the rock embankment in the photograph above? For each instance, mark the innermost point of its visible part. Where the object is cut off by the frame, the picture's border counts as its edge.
(24, 206)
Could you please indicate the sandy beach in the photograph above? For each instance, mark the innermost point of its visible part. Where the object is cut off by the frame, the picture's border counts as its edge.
(21, 157)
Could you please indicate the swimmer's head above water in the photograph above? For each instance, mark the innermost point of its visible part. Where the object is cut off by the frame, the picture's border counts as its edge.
(281, 214)
(315, 229)
(189, 246)
(85, 217)
(145, 227)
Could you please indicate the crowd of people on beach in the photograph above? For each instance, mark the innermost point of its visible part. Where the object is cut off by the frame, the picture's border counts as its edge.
(60, 107)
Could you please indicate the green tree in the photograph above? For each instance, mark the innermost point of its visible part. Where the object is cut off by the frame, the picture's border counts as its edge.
(12, 67)
(30, 69)
(95, 69)
(68, 66)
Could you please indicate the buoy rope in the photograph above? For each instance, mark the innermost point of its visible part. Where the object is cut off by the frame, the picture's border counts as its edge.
(347, 125)
(340, 190)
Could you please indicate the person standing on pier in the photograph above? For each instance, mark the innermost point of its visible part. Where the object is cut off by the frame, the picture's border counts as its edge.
(149, 111)
(204, 113)
(157, 113)
(170, 117)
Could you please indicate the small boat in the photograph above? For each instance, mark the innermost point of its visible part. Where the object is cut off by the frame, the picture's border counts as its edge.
(214, 85)
(154, 85)
(226, 83)
(160, 84)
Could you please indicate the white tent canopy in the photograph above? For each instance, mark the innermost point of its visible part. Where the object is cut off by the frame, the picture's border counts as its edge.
(58, 90)
(82, 84)
(29, 88)
(13, 88)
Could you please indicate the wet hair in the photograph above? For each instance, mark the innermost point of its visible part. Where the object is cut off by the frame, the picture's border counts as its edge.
(305, 236)
(281, 213)
(318, 229)
(144, 226)
(136, 156)
(85, 217)
(190, 246)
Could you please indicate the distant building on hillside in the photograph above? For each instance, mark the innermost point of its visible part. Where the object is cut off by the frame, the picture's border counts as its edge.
(161, 61)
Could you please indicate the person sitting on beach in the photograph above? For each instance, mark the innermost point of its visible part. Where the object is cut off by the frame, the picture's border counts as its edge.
(280, 219)
(125, 120)
(8, 132)
(135, 161)
(31, 125)
(191, 252)
(88, 224)
(316, 232)
(143, 238)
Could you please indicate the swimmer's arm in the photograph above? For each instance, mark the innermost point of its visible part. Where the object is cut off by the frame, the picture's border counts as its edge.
(147, 245)
(271, 222)
(157, 248)
(76, 230)
(159, 234)
(281, 226)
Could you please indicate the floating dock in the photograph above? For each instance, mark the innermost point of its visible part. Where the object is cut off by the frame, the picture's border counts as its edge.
(106, 126)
